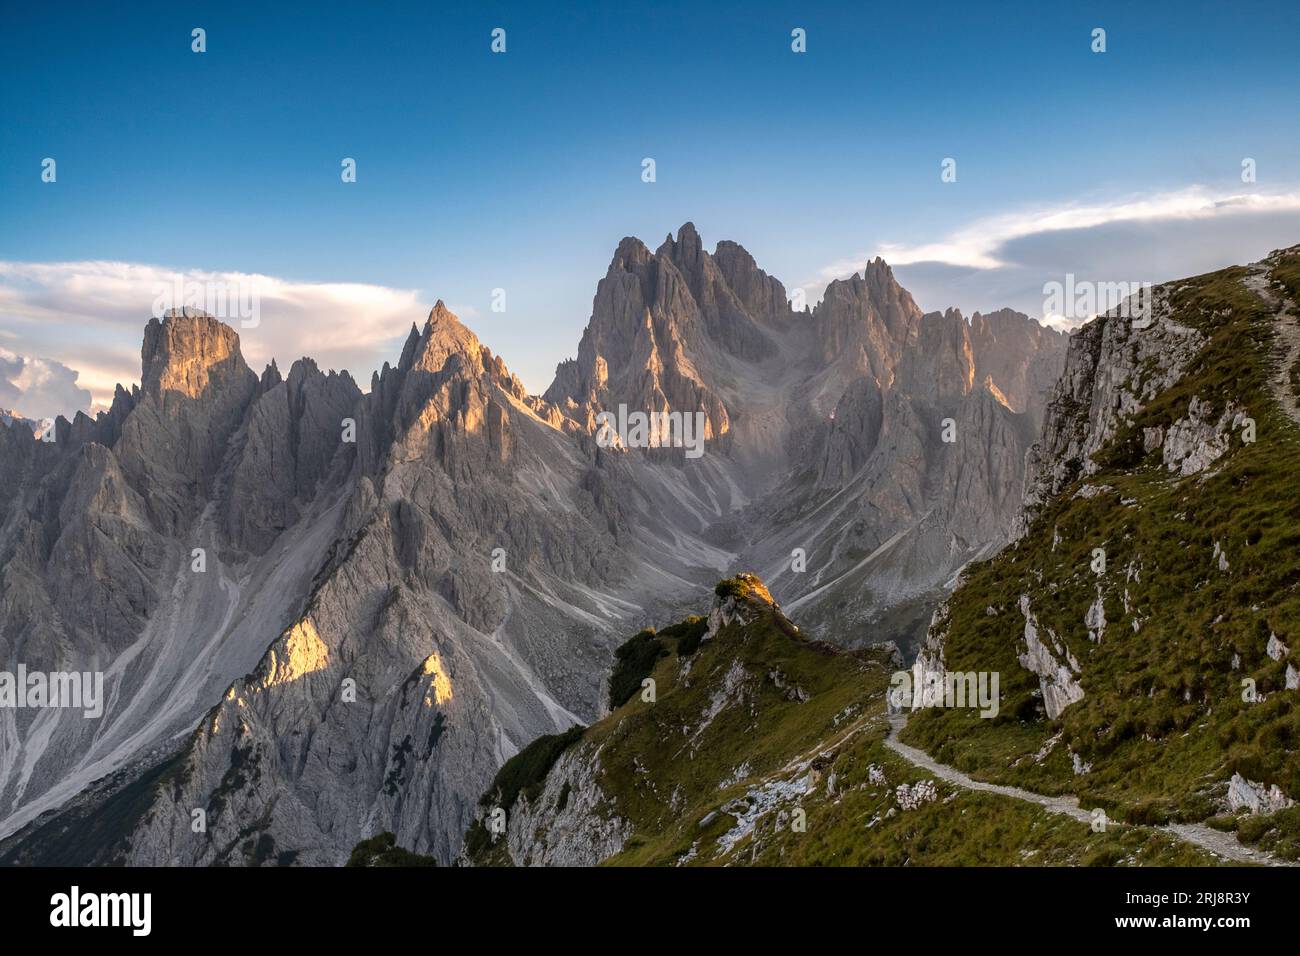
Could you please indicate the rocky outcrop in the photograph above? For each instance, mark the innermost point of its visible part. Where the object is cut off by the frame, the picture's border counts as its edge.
(1255, 797)
(195, 388)
(929, 668)
(1197, 440)
(1056, 668)
(1095, 619)
(1113, 368)
(744, 593)
(572, 821)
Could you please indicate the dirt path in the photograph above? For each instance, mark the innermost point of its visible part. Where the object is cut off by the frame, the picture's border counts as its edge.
(1286, 346)
(1220, 844)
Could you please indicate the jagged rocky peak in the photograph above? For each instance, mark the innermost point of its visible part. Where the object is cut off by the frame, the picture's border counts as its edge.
(271, 377)
(679, 295)
(866, 318)
(443, 335)
(762, 295)
(726, 321)
(187, 351)
(879, 278)
(662, 328)
(447, 392)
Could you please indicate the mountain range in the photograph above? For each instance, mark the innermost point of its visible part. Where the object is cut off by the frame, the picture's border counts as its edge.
(324, 613)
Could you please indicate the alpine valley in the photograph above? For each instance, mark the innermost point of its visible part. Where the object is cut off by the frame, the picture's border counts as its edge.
(436, 620)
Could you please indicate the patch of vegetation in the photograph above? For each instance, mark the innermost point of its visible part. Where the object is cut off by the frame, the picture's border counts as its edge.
(743, 586)
(1287, 272)
(96, 834)
(633, 662)
(1278, 833)
(396, 775)
(243, 768)
(731, 587)
(382, 850)
(688, 634)
(525, 772)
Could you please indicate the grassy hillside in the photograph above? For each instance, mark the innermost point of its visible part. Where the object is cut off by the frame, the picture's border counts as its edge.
(761, 747)
(1163, 721)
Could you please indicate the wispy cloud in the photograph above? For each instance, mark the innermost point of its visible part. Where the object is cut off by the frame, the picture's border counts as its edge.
(984, 243)
(1005, 260)
(89, 316)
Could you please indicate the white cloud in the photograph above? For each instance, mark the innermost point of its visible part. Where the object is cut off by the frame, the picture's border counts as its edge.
(982, 244)
(39, 388)
(1005, 259)
(90, 316)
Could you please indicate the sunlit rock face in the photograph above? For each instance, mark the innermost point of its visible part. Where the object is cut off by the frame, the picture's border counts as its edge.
(324, 612)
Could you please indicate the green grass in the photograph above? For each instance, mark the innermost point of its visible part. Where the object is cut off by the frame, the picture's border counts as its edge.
(760, 703)
(688, 635)
(633, 662)
(382, 850)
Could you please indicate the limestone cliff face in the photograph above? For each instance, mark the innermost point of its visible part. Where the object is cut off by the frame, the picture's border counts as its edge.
(1023, 358)
(195, 388)
(288, 445)
(1112, 370)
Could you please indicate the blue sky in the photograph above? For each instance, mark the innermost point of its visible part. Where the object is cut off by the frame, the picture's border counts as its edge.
(522, 171)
